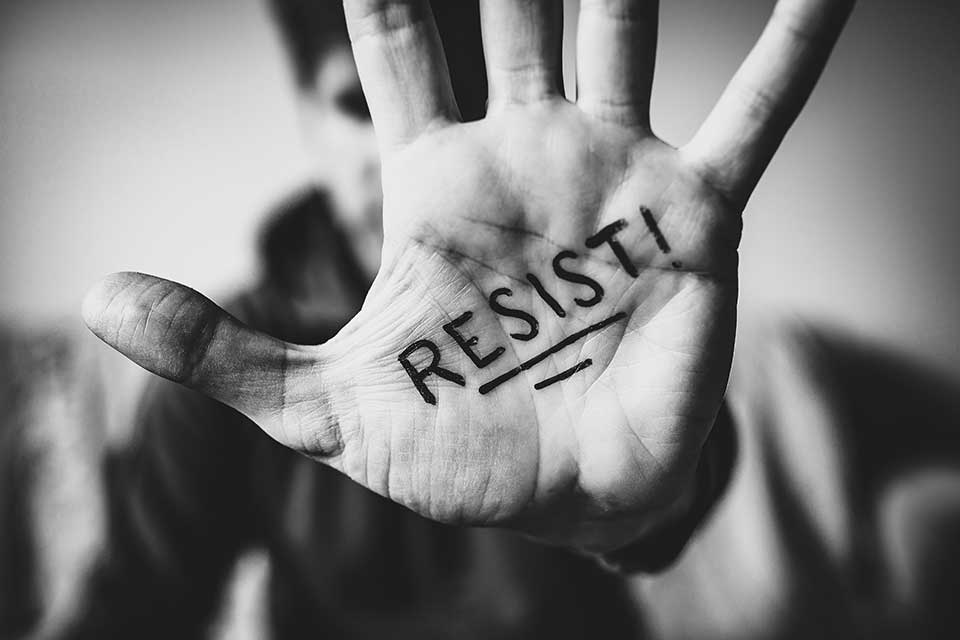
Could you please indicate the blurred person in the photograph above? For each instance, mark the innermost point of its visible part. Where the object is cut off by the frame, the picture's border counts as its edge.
(442, 380)
(182, 507)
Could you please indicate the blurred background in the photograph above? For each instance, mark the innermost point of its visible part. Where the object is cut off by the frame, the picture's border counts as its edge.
(153, 136)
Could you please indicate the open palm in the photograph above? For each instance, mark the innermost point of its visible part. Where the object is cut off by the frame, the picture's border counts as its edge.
(547, 343)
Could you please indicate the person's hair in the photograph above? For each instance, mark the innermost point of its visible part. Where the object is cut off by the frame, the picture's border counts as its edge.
(309, 28)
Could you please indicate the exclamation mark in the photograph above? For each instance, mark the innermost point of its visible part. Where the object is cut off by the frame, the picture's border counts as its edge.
(662, 243)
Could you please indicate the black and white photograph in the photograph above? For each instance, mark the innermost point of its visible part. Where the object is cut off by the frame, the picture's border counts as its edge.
(479, 319)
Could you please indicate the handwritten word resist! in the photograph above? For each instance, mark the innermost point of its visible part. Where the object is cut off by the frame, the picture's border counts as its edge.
(607, 235)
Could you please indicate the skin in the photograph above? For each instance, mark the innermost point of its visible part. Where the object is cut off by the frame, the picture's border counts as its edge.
(592, 462)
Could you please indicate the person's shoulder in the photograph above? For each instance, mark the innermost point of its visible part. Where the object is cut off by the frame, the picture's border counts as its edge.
(848, 364)
(796, 376)
(866, 436)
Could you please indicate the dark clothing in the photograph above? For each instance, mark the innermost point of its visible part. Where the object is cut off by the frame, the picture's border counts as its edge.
(841, 518)
(200, 483)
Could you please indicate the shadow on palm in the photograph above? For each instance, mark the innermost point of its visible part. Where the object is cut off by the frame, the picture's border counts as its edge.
(548, 341)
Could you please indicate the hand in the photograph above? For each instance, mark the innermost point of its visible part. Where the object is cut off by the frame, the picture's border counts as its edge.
(548, 341)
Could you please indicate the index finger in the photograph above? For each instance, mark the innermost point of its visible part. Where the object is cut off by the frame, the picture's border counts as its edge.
(744, 129)
(402, 67)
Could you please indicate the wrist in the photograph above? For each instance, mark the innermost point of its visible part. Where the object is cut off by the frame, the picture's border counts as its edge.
(659, 547)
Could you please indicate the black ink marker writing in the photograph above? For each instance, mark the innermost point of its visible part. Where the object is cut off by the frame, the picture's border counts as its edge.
(607, 235)
(563, 375)
(434, 367)
(549, 299)
(577, 278)
(514, 313)
(537, 359)
(654, 229)
(467, 344)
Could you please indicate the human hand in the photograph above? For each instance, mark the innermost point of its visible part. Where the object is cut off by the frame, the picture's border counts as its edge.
(548, 340)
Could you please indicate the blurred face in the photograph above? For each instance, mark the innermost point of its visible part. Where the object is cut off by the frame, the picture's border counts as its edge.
(342, 145)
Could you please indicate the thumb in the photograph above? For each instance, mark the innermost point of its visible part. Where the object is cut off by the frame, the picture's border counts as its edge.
(177, 333)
